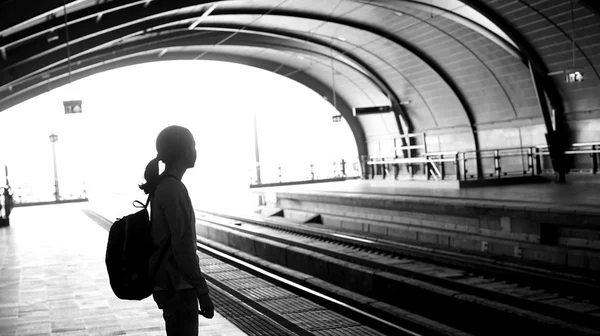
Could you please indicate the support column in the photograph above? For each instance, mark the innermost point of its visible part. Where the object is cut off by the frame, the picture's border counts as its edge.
(556, 139)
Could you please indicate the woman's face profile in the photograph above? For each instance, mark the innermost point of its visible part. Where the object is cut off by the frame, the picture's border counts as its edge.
(191, 154)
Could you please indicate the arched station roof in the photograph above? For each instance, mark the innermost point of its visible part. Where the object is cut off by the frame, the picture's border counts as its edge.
(443, 65)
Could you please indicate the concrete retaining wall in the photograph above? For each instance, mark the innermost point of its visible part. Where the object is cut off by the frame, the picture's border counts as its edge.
(555, 236)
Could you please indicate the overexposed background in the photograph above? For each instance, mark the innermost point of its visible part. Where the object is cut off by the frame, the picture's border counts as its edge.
(106, 148)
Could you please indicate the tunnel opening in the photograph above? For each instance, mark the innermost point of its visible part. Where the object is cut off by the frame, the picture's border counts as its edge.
(106, 147)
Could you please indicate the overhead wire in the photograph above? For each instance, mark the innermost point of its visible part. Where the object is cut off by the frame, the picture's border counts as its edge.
(67, 40)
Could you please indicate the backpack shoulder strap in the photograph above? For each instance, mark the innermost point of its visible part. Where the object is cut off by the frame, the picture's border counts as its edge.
(140, 205)
(165, 247)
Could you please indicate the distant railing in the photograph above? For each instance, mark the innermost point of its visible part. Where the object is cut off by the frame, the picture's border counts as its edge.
(586, 156)
(494, 163)
(304, 172)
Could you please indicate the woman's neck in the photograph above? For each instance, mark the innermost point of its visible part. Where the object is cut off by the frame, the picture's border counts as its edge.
(176, 171)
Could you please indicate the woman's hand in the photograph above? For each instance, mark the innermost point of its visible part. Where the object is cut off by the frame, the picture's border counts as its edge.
(207, 309)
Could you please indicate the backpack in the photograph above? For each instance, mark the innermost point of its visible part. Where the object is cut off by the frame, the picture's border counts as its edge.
(128, 254)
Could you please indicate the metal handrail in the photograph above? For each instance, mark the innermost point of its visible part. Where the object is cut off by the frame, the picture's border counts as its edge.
(439, 153)
(581, 144)
(597, 151)
(493, 150)
(410, 147)
(279, 173)
(530, 159)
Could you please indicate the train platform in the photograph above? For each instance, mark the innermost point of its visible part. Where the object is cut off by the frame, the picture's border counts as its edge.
(546, 224)
(53, 281)
(577, 193)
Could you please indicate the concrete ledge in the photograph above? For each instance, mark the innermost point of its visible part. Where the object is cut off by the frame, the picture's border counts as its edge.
(503, 181)
(528, 233)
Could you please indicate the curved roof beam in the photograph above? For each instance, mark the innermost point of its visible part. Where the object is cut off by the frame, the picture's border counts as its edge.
(532, 58)
(351, 61)
(14, 37)
(484, 64)
(452, 9)
(435, 66)
(108, 62)
(16, 22)
(356, 25)
(385, 87)
(323, 53)
(127, 23)
(462, 100)
(465, 15)
(187, 38)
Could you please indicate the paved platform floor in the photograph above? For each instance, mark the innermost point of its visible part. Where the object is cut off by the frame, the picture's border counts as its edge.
(53, 281)
(578, 192)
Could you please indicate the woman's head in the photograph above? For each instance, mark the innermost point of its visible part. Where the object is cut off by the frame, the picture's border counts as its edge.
(175, 147)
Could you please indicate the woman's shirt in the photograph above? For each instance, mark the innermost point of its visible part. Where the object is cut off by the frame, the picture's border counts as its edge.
(172, 211)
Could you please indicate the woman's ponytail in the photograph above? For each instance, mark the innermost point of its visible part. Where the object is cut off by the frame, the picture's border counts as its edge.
(151, 176)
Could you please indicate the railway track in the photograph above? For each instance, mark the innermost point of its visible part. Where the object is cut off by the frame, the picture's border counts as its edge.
(549, 302)
(289, 308)
(261, 303)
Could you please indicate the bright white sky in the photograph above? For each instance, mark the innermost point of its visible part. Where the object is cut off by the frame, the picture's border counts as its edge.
(109, 144)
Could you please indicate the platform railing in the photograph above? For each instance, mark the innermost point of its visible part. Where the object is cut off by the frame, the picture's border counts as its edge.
(312, 171)
(582, 152)
(495, 163)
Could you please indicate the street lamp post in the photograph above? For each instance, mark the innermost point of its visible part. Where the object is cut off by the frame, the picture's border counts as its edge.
(256, 151)
(54, 139)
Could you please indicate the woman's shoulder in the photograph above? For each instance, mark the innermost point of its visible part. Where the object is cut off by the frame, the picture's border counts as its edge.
(169, 186)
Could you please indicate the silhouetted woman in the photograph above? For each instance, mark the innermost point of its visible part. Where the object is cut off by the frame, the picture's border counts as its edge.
(179, 284)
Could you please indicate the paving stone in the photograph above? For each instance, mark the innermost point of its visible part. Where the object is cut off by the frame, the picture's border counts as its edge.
(56, 284)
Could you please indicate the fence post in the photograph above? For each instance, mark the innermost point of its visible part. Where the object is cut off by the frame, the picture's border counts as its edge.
(497, 163)
(464, 165)
(457, 166)
(364, 167)
(594, 160)
(334, 167)
(427, 171)
(279, 168)
(530, 160)
(538, 160)
(442, 167)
